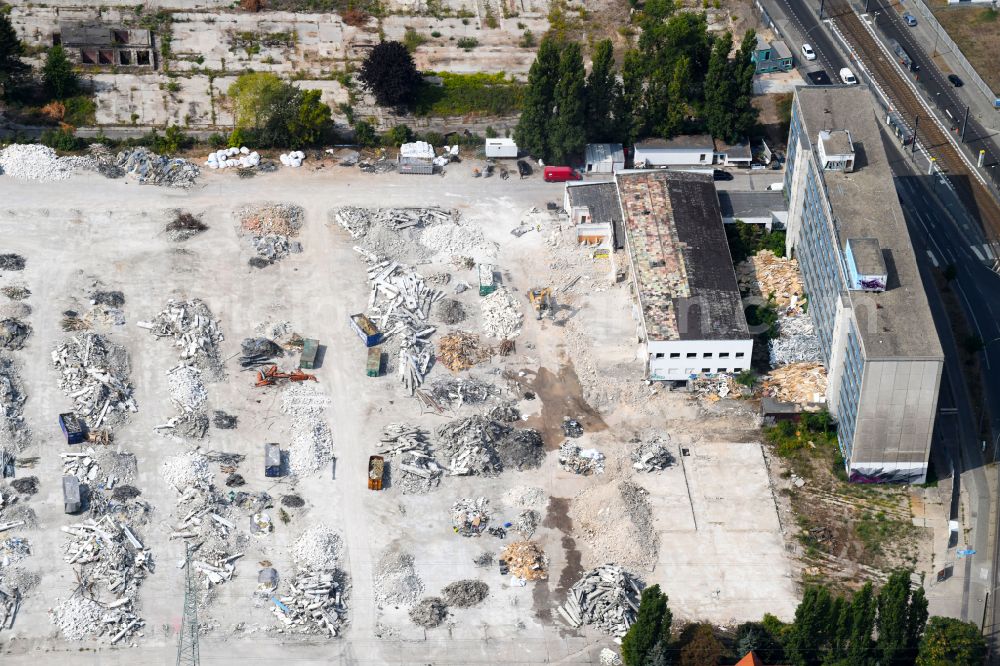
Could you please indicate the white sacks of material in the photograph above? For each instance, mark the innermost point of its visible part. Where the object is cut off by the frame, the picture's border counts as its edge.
(292, 159)
(233, 157)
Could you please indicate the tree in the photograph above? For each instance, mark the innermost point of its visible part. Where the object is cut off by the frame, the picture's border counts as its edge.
(677, 96)
(703, 648)
(601, 94)
(951, 642)
(390, 74)
(860, 646)
(532, 131)
(629, 110)
(719, 89)
(901, 619)
(58, 76)
(364, 134)
(568, 133)
(311, 120)
(756, 637)
(808, 635)
(12, 70)
(652, 627)
(744, 112)
(252, 97)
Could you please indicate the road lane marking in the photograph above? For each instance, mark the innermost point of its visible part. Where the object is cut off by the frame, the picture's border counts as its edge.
(933, 259)
(975, 251)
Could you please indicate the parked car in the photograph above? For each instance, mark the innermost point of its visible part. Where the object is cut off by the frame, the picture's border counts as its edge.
(955, 81)
(910, 19)
(808, 52)
(847, 76)
(719, 174)
(523, 168)
(560, 174)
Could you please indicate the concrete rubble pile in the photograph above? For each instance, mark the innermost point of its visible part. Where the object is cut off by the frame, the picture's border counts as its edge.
(79, 618)
(194, 331)
(215, 565)
(396, 581)
(457, 391)
(152, 169)
(607, 597)
(478, 445)
(796, 342)
(609, 657)
(357, 221)
(457, 240)
(13, 550)
(581, 461)
(764, 274)
(465, 593)
(460, 351)
(796, 382)
(419, 471)
(13, 334)
(616, 520)
(270, 228)
(470, 517)
(34, 162)
(311, 446)
(502, 315)
(14, 432)
(430, 612)
(192, 425)
(11, 262)
(450, 311)
(524, 560)
(109, 557)
(187, 391)
(186, 470)
(526, 523)
(319, 547)
(95, 374)
(272, 248)
(315, 603)
(652, 454)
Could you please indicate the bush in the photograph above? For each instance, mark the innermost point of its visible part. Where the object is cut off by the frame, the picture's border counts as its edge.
(435, 34)
(62, 140)
(746, 240)
(467, 43)
(397, 136)
(172, 141)
(413, 39)
(527, 40)
(80, 111)
(462, 94)
(364, 134)
(217, 140)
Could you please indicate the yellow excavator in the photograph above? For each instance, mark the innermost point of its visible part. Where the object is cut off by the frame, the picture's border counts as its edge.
(541, 300)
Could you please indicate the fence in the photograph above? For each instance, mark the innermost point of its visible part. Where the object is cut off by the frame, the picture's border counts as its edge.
(970, 71)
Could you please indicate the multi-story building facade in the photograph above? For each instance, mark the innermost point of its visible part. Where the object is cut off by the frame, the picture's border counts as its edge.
(866, 300)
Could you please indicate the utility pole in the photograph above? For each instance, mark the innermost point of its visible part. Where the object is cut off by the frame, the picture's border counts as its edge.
(821, 3)
(965, 123)
(913, 144)
(187, 642)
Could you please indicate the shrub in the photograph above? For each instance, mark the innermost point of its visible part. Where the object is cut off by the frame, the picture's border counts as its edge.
(80, 111)
(413, 39)
(467, 43)
(364, 134)
(461, 94)
(61, 139)
(527, 40)
(398, 135)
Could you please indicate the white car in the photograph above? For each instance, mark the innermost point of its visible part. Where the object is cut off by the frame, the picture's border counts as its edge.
(847, 76)
(808, 52)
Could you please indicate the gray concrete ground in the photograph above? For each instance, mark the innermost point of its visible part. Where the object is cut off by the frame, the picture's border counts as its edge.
(722, 554)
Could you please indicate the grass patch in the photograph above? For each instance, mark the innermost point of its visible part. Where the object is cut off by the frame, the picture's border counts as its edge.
(462, 94)
(746, 240)
(812, 431)
(467, 43)
(974, 30)
(413, 39)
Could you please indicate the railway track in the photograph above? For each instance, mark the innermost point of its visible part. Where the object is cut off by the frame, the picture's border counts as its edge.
(980, 202)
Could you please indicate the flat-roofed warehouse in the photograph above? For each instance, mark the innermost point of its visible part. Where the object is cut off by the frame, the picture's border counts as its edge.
(689, 307)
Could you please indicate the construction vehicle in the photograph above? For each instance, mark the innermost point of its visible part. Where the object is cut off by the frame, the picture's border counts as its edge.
(541, 300)
(376, 468)
(271, 376)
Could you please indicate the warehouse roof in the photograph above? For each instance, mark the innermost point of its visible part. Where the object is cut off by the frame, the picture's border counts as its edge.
(896, 322)
(684, 142)
(605, 152)
(743, 205)
(602, 201)
(680, 258)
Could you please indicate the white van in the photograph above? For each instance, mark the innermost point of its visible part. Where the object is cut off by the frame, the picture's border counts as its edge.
(847, 76)
(776, 187)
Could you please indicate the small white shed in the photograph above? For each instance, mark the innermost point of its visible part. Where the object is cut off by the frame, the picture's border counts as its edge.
(501, 148)
(605, 157)
(691, 150)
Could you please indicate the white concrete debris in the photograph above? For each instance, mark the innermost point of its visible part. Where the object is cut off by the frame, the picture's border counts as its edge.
(311, 446)
(191, 325)
(796, 342)
(186, 470)
(33, 162)
(574, 459)
(13, 550)
(395, 580)
(502, 314)
(316, 603)
(241, 157)
(317, 548)
(607, 597)
(609, 657)
(457, 240)
(94, 373)
(526, 497)
(293, 159)
(358, 221)
(149, 168)
(186, 388)
(470, 517)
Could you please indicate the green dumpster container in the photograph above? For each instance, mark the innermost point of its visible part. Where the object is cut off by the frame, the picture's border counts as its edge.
(374, 365)
(307, 360)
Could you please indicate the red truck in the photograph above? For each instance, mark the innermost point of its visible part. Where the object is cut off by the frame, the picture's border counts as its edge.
(560, 174)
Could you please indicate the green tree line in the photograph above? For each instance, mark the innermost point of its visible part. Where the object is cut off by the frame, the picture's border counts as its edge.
(678, 79)
(888, 627)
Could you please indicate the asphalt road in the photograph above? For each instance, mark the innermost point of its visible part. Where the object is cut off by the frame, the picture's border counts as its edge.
(889, 23)
(804, 16)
